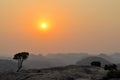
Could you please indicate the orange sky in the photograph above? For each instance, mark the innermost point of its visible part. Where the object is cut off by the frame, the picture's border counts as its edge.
(91, 26)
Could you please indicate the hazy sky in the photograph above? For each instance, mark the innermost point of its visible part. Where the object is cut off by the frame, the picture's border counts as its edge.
(91, 26)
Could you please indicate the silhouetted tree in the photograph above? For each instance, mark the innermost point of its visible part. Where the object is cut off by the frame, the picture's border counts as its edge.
(112, 75)
(106, 67)
(96, 63)
(20, 57)
(110, 67)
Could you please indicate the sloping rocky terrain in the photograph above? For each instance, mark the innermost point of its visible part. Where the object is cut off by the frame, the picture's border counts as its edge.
(7, 65)
(88, 60)
(72, 72)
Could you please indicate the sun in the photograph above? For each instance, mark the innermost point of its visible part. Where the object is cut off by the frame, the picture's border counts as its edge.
(43, 25)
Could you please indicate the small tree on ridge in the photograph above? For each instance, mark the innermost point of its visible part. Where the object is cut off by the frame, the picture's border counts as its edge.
(96, 63)
(20, 57)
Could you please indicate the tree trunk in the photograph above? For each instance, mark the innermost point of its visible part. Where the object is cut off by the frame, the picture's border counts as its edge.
(18, 69)
(19, 64)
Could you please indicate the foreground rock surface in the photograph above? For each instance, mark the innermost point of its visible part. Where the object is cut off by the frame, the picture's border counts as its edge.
(57, 73)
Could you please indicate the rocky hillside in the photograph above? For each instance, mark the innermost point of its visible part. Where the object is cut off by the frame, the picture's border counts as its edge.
(7, 65)
(88, 60)
(72, 72)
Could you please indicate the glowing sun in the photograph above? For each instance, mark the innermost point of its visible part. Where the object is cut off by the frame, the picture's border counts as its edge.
(43, 25)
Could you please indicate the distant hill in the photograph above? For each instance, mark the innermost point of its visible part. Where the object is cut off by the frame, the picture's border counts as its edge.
(39, 61)
(52, 60)
(115, 57)
(107, 57)
(7, 65)
(88, 60)
(5, 58)
(70, 58)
